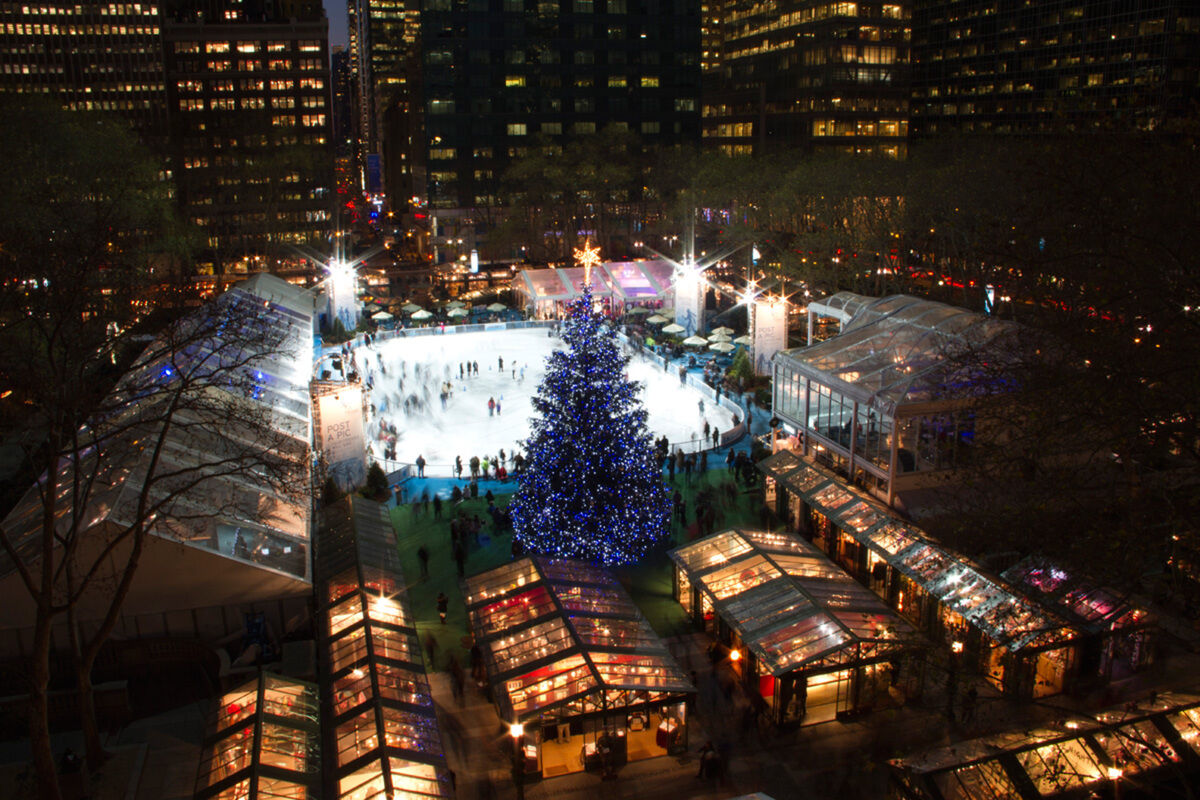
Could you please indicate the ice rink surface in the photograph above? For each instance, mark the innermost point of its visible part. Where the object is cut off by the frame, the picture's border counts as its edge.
(463, 427)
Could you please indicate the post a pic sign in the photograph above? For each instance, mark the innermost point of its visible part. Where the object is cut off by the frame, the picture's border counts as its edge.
(342, 438)
(770, 333)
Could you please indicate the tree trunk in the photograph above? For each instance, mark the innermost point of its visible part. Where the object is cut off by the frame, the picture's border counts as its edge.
(39, 710)
(96, 756)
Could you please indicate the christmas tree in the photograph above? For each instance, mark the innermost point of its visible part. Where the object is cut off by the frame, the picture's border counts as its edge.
(592, 488)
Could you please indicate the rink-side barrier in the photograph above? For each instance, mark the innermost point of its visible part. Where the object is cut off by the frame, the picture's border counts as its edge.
(400, 472)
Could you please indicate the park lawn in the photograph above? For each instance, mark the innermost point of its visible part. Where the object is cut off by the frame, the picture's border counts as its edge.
(648, 582)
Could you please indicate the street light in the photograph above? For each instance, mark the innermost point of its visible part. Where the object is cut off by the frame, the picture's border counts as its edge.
(517, 731)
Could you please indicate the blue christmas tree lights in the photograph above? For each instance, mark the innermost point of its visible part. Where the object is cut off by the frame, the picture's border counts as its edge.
(592, 488)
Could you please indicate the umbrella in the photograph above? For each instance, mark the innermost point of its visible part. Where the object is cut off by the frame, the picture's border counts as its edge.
(409, 308)
(674, 328)
(497, 307)
(638, 310)
(695, 341)
(721, 347)
(456, 304)
(657, 319)
(719, 337)
(457, 312)
(746, 340)
(381, 315)
(422, 314)
(723, 330)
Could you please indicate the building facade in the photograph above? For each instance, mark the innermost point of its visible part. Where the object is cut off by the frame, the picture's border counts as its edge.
(1015, 67)
(93, 56)
(251, 133)
(809, 75)
(499, 73)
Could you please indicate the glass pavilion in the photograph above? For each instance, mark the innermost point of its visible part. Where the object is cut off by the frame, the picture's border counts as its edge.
(1022, 647)
(884, 402)
(812, 643)
(382, 732)
(570, 657)
(621, 284)
(264, 741)
(1149, 749)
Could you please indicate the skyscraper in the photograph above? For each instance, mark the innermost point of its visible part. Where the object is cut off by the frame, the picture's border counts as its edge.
(810, 75)
(1016, 67)
(248, 88)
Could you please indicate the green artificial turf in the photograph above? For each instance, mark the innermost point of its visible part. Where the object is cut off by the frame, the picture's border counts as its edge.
(648, 582)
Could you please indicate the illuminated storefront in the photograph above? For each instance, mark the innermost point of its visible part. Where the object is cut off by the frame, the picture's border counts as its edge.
(618, 284)
(264, 741)
(382, 737)
(571, 660)
(1022, 647)
(808, 641)
(1147, 751)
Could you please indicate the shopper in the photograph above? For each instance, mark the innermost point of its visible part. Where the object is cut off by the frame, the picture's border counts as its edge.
(443, 606)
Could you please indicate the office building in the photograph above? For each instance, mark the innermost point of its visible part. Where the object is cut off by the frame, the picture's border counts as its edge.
(809, 75)
(251, 132)
(1016, 67)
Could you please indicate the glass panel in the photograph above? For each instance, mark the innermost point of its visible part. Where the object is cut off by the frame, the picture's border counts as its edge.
(346, 613)
(1058, 768)
(530, 644)
(356, 737)
(386, 609)
(512, 611)
(273, 788)
(289, 749)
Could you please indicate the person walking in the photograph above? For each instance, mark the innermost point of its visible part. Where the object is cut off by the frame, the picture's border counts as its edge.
(458, 466)
(420, 466)
(501, 360)
(443, 606)
(460, 560)
(484, 466)
(460, 371)
(474, 467)
(491, 409)
(716, 438)
(437, 506)
(423, 556)
(498, 405)
(707, 755)
(475, 366)
(430, 647)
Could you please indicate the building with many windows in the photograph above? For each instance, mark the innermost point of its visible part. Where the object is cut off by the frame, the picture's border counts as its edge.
(813, 75)
(1017, 67)
(251, 133)
(94, 56)
(497, 74)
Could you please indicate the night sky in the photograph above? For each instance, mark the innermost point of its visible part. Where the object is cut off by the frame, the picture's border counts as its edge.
(336, 11)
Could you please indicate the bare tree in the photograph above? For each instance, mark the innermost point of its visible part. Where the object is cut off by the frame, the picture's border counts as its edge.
(188, 434)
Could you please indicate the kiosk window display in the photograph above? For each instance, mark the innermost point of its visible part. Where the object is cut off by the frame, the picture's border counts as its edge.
(811, 643)
(384, 735)
(574, 665)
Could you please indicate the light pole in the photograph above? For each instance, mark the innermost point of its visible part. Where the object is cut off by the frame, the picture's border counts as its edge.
(517, 732)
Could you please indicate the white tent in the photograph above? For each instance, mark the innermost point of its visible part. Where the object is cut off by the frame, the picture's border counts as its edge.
(721, 347)
(422, 314)
(409, 308)
(674, 328)
(657, 319)
(381, 316)
(695, 341)
(723, 330)
(457, 312)
(497, 307)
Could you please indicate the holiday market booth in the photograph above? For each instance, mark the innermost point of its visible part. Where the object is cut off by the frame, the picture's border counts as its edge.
(382, 731)
(263, 741)
(1117, 634)
(804, 637)
(1023, 648)
(1150, 750)
(575, 668)
(620, 285)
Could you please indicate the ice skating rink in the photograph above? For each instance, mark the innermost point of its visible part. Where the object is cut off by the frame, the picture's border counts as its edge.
(464, 427)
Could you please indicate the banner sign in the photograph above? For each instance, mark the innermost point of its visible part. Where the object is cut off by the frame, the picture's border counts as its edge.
(770, 333)
(342, 441)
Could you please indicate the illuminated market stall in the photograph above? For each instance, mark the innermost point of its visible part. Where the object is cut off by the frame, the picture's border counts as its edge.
(1117, 634)
(1023, 648)
(382, 733)
(572, 661)
(546, 292)
(807, 639)
(264, 741)
(1141, 752)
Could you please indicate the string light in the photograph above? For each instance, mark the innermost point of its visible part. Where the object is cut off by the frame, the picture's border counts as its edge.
(592, 489)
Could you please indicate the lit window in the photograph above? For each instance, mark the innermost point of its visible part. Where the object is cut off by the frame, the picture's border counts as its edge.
(517, 129)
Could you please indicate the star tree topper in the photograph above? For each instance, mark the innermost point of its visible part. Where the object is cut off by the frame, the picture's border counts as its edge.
(587, 257)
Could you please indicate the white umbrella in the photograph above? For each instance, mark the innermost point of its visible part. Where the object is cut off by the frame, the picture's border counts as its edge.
(657, 319)
(719, 337)
(381, 315)
(723, 330)
(497, 307)
(409, 308)
(456, 304)
(674, 328)
(457, 312)
(422, 314)
(721, 347)
(746, 340)
(695, 341)
(638, 310)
